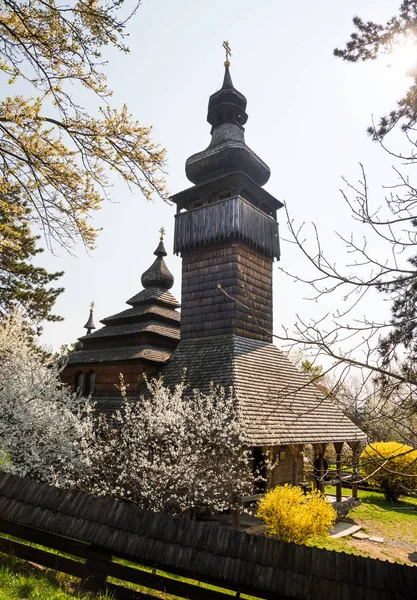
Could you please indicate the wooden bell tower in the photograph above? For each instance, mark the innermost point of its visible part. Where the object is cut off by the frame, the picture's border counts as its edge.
(226, 230)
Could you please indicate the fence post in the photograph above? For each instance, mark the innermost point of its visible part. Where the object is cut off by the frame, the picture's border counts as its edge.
(96, 567)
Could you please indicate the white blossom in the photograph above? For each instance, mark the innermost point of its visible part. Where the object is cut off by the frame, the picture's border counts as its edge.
(170, 450)
(166, 450)
(42, 422)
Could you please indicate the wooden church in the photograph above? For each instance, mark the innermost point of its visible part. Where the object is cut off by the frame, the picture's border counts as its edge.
(226, 232)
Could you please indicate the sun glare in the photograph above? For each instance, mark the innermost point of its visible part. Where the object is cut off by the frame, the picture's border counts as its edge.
(403, 58)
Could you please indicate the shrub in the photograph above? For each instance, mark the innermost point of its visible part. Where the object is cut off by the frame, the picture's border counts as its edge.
(391, 466)
(292, 516)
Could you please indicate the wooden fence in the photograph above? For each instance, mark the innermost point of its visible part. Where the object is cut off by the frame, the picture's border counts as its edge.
(100, 540)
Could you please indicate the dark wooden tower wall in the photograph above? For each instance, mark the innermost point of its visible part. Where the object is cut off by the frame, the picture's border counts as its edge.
(244, 274)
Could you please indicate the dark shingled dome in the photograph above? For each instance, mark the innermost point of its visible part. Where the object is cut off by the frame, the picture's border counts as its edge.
(158, 274)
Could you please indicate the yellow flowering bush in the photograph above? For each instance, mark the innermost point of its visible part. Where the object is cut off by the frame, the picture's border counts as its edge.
(292, 516)
(392, 466)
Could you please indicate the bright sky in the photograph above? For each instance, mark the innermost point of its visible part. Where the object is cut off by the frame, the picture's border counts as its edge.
(308, 114)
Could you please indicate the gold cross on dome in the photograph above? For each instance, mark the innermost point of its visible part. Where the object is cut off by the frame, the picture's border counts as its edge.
(92, 305)
(228, 52)
(162, 232)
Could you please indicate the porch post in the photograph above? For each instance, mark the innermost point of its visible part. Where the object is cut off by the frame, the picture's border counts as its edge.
(355, 447)
(295, 450)
(338, 448)
(320, 450)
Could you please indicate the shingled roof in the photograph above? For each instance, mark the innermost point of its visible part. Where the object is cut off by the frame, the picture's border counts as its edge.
(148, 330)
(278, 404)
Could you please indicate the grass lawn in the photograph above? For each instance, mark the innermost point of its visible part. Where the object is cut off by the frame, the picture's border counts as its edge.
(20, 579)
(395, 522)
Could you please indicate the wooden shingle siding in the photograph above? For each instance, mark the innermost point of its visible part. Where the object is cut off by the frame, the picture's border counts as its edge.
(99, 528)
(231, 219)
(245, 274)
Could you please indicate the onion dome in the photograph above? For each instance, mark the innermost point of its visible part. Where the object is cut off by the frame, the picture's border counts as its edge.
(90, 323)
(227, 151)
(158, 274)
(227, 104)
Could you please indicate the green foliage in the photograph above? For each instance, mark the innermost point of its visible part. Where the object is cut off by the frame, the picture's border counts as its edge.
(314, 370)
(5, 460)
(391, 466)
(292, 516)
(22, 284)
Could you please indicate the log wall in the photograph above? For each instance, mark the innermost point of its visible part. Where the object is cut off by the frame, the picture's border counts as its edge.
(283, 470)
(107, 377)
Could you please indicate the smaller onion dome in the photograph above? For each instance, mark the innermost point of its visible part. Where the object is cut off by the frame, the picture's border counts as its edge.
(90, 323)
(227, 105)
(158, 274)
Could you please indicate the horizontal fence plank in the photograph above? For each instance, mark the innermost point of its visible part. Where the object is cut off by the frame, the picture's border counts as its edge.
(43, 558)
(164, 584)
(207, 579)
(45, 538)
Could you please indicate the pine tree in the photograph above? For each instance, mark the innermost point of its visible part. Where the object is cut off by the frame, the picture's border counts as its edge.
(23, 285)
(368, 42)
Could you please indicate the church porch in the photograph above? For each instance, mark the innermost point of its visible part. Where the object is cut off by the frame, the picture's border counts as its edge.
(311, 466)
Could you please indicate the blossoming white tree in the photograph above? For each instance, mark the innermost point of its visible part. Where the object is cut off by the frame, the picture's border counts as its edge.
(169, 450)
(41, 421)
(166, 451)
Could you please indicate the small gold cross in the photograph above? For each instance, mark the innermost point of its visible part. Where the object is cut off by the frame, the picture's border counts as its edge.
(162, 232)
(228, 53)
(92, 305)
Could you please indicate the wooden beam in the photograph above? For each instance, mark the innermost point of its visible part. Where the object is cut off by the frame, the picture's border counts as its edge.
(295, 453)
(338, 446)
(355, 446)
(319, 450)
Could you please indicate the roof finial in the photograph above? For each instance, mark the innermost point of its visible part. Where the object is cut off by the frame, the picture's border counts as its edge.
(162, 232)
(228, 53)
(90, 323)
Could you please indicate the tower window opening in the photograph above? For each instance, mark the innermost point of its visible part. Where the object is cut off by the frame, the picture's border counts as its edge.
(222, 195)
(197, 204)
